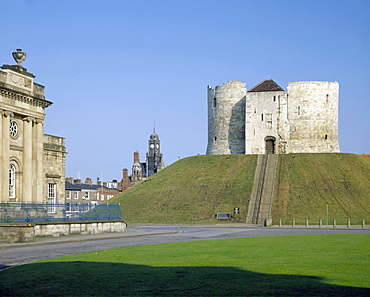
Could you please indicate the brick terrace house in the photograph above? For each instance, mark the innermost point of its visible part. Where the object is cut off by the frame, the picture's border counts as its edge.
(78, 192)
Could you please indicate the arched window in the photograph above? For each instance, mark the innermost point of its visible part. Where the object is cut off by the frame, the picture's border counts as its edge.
(12, 181)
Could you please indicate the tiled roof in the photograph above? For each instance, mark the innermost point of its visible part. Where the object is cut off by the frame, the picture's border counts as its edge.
(95, 187)
(82, 186)
(78, 187)
(267, 85)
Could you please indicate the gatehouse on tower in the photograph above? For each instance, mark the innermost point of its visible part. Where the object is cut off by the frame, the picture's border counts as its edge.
(268, 119)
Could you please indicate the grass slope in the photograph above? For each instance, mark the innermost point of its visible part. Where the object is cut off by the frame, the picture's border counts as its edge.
(306, 183)
(192, 190)
(307, 265)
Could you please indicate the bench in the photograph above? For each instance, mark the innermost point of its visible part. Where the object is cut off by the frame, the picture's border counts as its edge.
(223, 216)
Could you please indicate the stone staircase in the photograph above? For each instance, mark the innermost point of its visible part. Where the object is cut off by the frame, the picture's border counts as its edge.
(259, 210)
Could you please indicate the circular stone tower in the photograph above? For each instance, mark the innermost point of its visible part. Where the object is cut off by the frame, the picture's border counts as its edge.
(226, 118)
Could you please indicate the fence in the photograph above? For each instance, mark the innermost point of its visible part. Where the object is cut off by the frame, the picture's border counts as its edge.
(328, 224)
(40, 212)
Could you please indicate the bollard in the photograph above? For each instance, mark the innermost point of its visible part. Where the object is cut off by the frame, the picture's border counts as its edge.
(280, 222)
(349, 223)
(306, 223)
(320, 223)
(293, 222)
(363, 223)
(334, 223)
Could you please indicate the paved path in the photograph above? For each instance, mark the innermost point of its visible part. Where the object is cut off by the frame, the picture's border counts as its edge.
(45, 248)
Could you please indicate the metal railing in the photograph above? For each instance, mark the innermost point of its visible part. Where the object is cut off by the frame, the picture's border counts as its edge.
(42, 212)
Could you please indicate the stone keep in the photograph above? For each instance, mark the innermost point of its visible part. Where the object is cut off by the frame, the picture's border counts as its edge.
(268, 119)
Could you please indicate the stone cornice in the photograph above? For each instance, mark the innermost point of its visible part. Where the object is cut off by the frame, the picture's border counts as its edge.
(54, 148)
(33, 100)
(38, 121)
(28, 119)
(50, 175)
(6, 113)
(18, 68)
(16, 148)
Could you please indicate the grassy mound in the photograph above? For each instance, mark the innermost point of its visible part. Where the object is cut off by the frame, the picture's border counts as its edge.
(306, 183)
(192, 190)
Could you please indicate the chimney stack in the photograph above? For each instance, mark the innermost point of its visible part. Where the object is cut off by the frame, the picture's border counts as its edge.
(136, 157)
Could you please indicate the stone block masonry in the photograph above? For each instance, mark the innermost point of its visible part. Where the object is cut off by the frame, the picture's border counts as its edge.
(226, 118)
(18, 233)
(267, 119)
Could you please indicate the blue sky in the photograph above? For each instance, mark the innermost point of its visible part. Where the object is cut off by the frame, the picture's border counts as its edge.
(113, 67)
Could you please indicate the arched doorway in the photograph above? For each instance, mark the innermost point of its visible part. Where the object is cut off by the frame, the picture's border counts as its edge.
(270, 145)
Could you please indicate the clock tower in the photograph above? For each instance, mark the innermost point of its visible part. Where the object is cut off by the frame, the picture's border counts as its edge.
(154, 157)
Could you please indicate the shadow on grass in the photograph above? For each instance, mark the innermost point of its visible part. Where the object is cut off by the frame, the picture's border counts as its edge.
(116, 279)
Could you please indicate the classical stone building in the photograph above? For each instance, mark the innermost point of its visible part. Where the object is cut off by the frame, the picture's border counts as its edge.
(32, 164)
(268, 119)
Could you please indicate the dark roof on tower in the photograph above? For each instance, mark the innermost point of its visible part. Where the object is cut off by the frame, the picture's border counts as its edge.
(154, 136)
(267, 85)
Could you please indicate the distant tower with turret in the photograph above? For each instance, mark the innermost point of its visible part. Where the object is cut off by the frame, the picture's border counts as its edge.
(142, 170)
(154, 157)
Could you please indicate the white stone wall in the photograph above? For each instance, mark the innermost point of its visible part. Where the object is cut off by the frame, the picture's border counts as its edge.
(226, 118)
(57, 230)
(54, 158)
(313, 117)
(261, 119)
(302, 120)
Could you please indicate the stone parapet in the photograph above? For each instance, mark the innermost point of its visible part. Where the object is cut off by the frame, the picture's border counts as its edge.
(18, 233)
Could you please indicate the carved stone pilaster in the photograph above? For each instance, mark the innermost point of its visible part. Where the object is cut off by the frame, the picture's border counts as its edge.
(28, 119)
(27, 159)
(37, 160)
(38, 121)
(6, 113)
(5, 144)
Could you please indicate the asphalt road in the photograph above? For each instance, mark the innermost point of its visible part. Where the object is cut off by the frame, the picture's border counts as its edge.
(16, 254)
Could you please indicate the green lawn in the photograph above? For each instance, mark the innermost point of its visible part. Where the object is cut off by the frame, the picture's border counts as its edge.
(308, 265)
